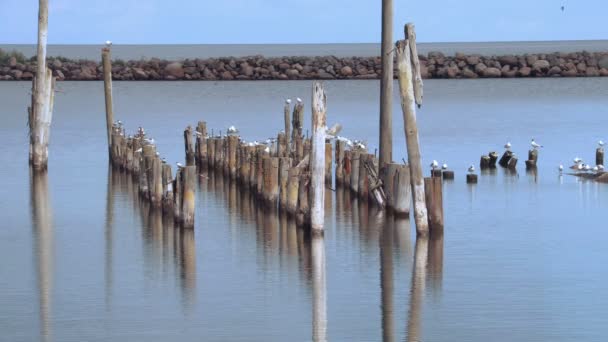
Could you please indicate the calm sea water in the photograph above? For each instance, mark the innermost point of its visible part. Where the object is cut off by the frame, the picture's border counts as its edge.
(174, 52)
(523, 256)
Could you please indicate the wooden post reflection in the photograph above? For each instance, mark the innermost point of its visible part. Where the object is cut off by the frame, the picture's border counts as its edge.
(435, 263)
(42, 219)
(319, 290)
(386, 280)
(417, 290)
(188, 266)
(108, 274)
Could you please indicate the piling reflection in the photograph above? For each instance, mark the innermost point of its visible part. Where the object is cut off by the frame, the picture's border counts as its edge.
(435, 264)
(414, 332)
(387, 238)
(42, 219)
(319, 290)
(109, 223)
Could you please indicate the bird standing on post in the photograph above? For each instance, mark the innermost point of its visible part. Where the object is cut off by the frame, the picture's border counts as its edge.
(471, 169)
(434, 164)
(535, 145)
(444, 167)
(600, 143)
(508, 146)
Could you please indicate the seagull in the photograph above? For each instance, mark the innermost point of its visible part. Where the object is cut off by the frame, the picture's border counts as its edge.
(157, 154)
(288, 101)
(508, 145)
(577, 160)
(596, 169)
(444, 166)
(580, 167)
(434, 164)
(198, 133)
(345, 140)
(108, 43)
(267, 149)
(535, 145)
(587, 167)
(232, 130)
(561, 168)
(149, 141)
(600, 167)
(335, 129)
(179, 165)
(600, 143)
(471, 168)
(299, 100)
(164, 161)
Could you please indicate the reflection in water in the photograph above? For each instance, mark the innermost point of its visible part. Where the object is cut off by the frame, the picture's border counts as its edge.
(319, 290)
(435, 263)
(532, 174)
(417, 290)
(108, 274)
(386, 279)
(187, 263)
(42, 218)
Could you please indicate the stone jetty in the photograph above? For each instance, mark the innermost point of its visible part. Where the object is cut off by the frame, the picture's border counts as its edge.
(433, 65)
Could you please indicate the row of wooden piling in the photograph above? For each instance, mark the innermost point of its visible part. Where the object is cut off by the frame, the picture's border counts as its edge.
(137, 155)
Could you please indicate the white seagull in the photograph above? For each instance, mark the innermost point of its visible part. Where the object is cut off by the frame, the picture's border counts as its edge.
(600, 143)
(108, 43)
(596, 169)
(561, 168)
(577, 160)
(600, 167)
(434, 164)
(299, 100)
(471, 168)
(179, 165)
(535, 145)
(444, 166)
(232, 130)
(288, 101)
(587, 167)
(508, 145)
(139, 150)
(149, 141)
(198, 133)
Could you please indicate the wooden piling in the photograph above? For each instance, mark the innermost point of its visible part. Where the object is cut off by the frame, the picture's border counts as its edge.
(293, 183)
(219, 150)
(201, 144)
(286, 117)
(484, 163)
(471, 178)
(386, 85)
(433, 189)
(188, 204)
(346, 169)
(532, 158)
(40, 113)
(387, 174)
(211, 152)
(599, 156)
(375, 189)
(363, 188)
(408, 105)
(148, 152)
(512, 162)
(339, 160)
(189, 146)
(317, 157)
(107, 87)
(436, 173)
(401, 191)
(354, 173)
(260, 173)
(167, 179)
(448, 175)
(303, 211)
(233, 142)
(284, 165)
(504, 160)
(271, 181)
(493, 158)
(297, 120)
(328, 156)
(178, 194)
(155, 182)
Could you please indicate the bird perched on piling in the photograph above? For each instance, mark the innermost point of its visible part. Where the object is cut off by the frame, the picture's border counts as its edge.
(149, 141)
(600, 143)
(108, 43)
(508, 146)
(299, 100)
(535, 145)
(600, 167)
(434, 164)
(471, 169)
(164, 161)
(288, 101)
(179, 165)
(560, 168)
(587, 167)
(232, 130)
(333, 131)
(444, 166)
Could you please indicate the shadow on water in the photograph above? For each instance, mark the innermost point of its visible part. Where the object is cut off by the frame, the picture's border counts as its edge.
(42, 219)
(168, 248)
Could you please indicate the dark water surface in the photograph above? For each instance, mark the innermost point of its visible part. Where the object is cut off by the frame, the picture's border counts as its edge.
(523, 257)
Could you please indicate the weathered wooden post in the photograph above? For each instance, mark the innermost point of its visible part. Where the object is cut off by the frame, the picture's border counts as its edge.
(386, 85)
(512, 162)
(434, 202)
(363, 188)
(532, 159)
(388, 182)
(504, 160)
(271, 181)
(155, 181)
(167, 189)
(189, 146)
(148, 152)
(599, 156)
(284, 164)
(317, 158)
(107, 87)
(178, 194)
(401, 191)
(448, 174)
(293, 183)
(346, 169)
(211, 152)
(339, 159)
(484, 162)
(201, 143)
(354, 171)
(328, 155)
(303, 212)
(286, 117)
(471, 178)
(493, 158)
(408, 105)
(297, 120)
(233, 142)
(188, 205)
(260, 173)
(40, 113)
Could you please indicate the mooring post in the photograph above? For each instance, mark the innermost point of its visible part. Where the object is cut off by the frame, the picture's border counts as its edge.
(484, 162)
(401, 191)
(293, 183)
(40, 113)
(339, 160)
(386, 85)
(363, 181)
(328, 156)
(317, 157)
(434, 202)
(167, 189)
(408, 105)
(211, 153)
(233, 142)
(599, 156)
(297, 120)
(156, 184)
(286, 117)
(493, 158)
(189, 146)
(284, 164)
(388, 182)
(201, 143)
(504, 160)
(303, 211)
(354, 173)
(107, 87)
(532, 158)
(188, 205)
(148, 152)
(177, 194)
(346, 169)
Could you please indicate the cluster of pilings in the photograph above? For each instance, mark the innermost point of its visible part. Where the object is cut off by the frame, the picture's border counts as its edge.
(137, 155)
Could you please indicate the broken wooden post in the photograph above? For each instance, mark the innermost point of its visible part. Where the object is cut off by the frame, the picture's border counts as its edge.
(297, 120)
(178, 194)
(354, 171)
(434, 202)
(512, 162)
(211, 153)
(599, 156)
(484, 163)
(493, 158)
(471, 178)
(532, 158)
(386, 85)
(408, 105)
(504, 160)
(284, 165)
(107, 87)
(363, 188)
(286, 117)
(328, 155)
(155, 182)
(201, 144)
(317, 157)
(188, 204)
(339, 159)
(167, 179)
(448, 174)
(293, 183)
(233, 142)
(189, 146)
(387, 174)
(346, 169)
(401, 191)
(148, 152)
(376, 191)
(40, 113)
(271, 181)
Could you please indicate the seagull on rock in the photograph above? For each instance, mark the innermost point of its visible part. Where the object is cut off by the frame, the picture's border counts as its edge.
(535, 145)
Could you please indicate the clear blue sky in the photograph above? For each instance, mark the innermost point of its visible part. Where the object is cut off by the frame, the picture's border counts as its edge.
(301, 21)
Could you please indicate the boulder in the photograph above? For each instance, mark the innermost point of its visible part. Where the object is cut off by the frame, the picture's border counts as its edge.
(491, 72)
(468, 73)
(530, 59)
(569, 73)
(581, 67)
(525, 71)
(459, 56)
(508, 60)
(555, 71)
(603, 72)
(603, 62)
(139, 74)
(226, 75)
(452, 72)
(12, 62)
(27, 76)
(284, 66)
(509, 73)
(541, 65)
(473, 60)
(480, 67)
(57, 64)
(346, 71)
(292, 73)
(16, 74)
(208, 74)
(592, 72)
(175, 70)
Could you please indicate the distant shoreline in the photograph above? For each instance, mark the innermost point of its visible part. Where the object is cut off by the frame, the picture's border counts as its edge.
(434, 64)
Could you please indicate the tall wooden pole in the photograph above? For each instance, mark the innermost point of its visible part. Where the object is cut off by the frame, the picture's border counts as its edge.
(287, 117)
(408, 105)
(41, 112)
(107, 87)
(386, 85)
(317, 160)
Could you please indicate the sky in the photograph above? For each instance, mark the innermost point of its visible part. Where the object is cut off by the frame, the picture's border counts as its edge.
(299, 21)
